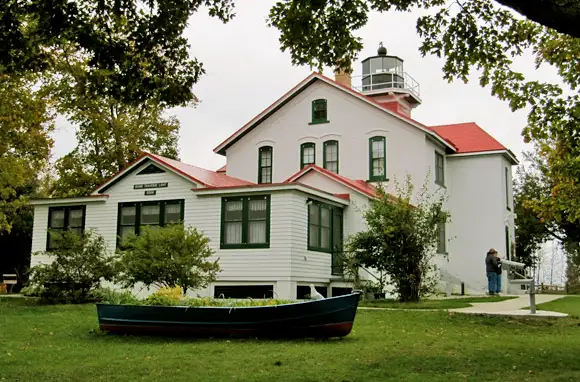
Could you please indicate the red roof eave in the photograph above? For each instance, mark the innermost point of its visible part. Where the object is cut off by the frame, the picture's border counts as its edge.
(266, 185)
(353, 184)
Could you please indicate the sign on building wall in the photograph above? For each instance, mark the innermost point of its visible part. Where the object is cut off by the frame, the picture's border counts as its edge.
(149, 185)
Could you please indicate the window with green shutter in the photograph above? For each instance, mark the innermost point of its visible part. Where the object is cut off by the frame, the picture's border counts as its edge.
(439, 169)
(507, 243)
(265, 157)
(133, 217)
(441, 240)
(319, 111)
(245, 222)
(330, 156)
(307, 154)
(324, 224)
(61, 219)
(377, 159)
(507, 188)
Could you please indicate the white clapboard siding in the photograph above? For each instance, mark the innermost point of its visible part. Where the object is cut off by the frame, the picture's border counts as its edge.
(39, 235)
(204, 213)
(307, 266)
(103, 217)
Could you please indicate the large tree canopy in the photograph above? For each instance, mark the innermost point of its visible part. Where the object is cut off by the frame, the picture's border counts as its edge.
(149, 53)
(141, 42)
(25, 126)
(110, 133)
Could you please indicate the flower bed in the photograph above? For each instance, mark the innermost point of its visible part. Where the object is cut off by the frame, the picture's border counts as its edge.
(174, 297)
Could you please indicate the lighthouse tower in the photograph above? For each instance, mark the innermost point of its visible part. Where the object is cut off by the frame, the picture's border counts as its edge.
(384, 79)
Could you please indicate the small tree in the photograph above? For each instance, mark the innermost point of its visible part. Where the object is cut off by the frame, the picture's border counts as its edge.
(167, 257)
(401, 239)
(79, 263)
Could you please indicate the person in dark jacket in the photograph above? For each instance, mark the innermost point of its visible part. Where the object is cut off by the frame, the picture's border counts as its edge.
(491, 266)
(498, 272)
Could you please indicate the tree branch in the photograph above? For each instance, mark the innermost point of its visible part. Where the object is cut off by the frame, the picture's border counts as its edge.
(554, 234)
(561, 15)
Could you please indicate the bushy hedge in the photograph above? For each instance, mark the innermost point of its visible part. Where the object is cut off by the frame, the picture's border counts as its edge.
(78, 265)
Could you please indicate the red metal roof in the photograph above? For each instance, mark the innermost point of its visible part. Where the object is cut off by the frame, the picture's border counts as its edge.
(222, 168)
(468, 137)
(200, 175)
(358, 185)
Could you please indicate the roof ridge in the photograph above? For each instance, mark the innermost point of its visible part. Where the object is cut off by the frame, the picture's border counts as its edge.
(457, 123)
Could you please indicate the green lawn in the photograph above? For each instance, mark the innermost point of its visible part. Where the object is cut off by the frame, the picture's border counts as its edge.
(452, 303)
(61, 343)
(568, 304)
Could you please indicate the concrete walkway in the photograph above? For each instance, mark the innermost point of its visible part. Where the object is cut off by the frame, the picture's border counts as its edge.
(513, 307)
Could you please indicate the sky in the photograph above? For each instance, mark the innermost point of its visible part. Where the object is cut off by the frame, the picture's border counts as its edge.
(246, 71)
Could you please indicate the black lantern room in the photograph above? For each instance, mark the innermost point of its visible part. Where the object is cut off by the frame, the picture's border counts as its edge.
(382, 71)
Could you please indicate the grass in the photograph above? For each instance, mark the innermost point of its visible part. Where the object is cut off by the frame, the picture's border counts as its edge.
(568, 304)
(62, 343)
(453, 303)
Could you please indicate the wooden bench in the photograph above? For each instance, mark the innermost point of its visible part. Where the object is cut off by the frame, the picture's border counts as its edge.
(10, 279)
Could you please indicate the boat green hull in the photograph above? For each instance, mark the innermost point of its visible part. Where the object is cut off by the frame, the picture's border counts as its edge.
(331, 317)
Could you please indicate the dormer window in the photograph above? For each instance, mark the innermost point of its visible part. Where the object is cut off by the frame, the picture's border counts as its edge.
(377, 159)
(330, 160)
(307, 154)
(319, 111)
(265, 164)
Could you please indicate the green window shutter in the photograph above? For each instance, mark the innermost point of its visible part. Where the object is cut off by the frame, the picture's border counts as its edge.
(265, 162)
(377, 159)
(330, 156)
(319, 111)
(307, 154)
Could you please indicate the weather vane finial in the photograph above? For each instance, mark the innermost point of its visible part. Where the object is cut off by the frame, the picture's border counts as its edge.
(382, 51)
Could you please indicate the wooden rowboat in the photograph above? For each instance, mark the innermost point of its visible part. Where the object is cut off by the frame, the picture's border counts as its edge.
(330, 317)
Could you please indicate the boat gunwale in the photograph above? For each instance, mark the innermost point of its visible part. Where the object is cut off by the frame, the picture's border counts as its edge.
(236, 307)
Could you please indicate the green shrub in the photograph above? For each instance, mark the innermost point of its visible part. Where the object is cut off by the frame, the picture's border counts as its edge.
(78, 264)
(161, 300)
(171, 256)
(111, 296)
(31, 290)
(165, 297)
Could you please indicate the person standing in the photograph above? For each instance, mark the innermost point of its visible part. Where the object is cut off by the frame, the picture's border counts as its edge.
(498, 272)
(491, 262)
